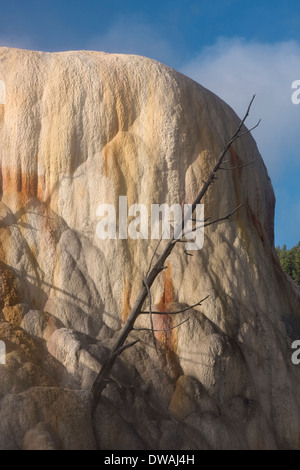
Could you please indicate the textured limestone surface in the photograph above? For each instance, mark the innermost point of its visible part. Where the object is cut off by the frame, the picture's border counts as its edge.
(80, 129)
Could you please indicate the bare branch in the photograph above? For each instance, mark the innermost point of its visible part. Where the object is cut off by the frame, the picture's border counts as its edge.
(179, 311)
(101, 379)
(224, 218)
(238, 167)
(123, 348)
(249, 130)
(166, 329)
(221, 157)
(204, 220)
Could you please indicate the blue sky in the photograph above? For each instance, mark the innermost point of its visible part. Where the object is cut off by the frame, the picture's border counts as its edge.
(235, 48)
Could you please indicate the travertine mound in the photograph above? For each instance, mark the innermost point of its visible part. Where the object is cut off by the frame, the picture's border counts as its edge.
(78, 129)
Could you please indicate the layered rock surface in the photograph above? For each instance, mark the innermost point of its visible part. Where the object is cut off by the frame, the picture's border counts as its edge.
(79, 129)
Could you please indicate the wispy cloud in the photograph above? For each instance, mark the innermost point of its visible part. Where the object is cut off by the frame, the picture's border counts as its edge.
(134, 36)
(235, 69)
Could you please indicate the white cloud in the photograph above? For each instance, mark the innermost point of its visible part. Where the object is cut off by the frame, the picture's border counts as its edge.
(235, 69)
(134, 36)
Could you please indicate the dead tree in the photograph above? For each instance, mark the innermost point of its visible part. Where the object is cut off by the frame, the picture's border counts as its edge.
(153, 272)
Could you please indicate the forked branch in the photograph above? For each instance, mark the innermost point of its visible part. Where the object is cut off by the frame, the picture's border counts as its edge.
(164, 329)
(238, 167)
(190, 307)
(154, 271)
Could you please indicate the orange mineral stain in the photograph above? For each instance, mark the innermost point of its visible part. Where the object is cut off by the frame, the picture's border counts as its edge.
(169, 337)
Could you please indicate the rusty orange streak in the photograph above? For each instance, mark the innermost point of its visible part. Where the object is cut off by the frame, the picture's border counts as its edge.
(169, 338)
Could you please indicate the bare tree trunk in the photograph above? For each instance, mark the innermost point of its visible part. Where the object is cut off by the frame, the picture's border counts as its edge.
(103, 377)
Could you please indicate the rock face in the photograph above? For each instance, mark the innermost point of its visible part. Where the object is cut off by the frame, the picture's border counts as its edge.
(80, 129)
